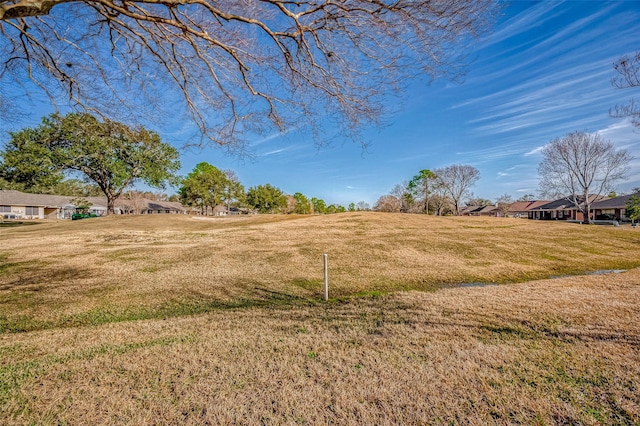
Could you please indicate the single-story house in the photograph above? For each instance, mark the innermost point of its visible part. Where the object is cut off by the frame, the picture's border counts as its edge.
(616, 207)
(561, 209)
(522, 208)
(156, 207)
(489, 210)
(231, 211)
(21, 205)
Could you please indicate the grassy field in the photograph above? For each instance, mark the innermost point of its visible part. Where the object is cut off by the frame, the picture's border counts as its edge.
(170, 319)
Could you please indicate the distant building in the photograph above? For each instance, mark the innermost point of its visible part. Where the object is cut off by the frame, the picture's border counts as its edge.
(522, 208)
(21, 205)
(612, 208)
(489, 210)
(562, 209)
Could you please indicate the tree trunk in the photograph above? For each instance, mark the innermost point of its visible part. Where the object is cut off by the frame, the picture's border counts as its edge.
(587, 205)
(587, 217)
(110, 204)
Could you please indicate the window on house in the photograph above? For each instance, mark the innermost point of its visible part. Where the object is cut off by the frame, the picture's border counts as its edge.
(32, 211)
(5, 209)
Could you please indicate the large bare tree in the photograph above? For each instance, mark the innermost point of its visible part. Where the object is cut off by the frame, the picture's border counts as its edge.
(456, 180)
(628, 68)
(232, 66)
(581, 167)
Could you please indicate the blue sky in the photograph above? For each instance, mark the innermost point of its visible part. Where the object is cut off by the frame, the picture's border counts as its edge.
(543, 71)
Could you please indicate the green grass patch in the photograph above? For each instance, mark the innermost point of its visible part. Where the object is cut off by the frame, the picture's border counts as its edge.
(115, 314)
(307, 284)
(13, 224)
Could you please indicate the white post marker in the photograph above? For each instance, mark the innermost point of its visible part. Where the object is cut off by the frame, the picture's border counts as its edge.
(326, 278)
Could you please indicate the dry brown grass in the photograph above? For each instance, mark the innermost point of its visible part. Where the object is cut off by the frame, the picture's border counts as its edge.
(266, 351)
(103, 270)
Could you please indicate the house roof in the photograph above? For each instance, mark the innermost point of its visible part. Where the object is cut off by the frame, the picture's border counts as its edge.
(485, 209)
(613, 203)
(523, 206)
(566, 203)
(468, 209)
(164, 205)
(17, 198)
(480, 209)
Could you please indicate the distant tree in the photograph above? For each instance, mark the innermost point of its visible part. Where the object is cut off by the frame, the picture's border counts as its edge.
(302, 205)
(362, 206)
(174, 198)
(80, 203)
(70, 187)
(155, 196)
(133, 201)
(5, 184)
(456, 181)
(422, 185)
(474, 201)
(112, 155)
(388, 203)
(204, 187)
(319, 206)
(503, 204)
(335, 208)
(579, 165)
(233, 191)
(402, 192)
(258, 64)
(632, 209)
(628, 68)
(76, 188)
(527, 197)
(441, 204)
(266, 199)
(27, 163)
(352, 207)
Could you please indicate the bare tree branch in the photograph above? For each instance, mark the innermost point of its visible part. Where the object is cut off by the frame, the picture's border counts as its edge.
(234, 67)
(628, 69)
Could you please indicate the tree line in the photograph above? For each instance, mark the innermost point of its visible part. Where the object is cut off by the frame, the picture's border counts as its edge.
(208, 187)
(111, 157)
(439, 191)
(581, 167)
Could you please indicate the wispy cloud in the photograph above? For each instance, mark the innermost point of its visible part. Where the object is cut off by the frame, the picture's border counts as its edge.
(534, 151)
(622, 134)
(273, 136)
(534, 17)
(275, 151)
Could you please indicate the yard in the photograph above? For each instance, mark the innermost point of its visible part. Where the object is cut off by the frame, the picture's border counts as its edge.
(169, 319)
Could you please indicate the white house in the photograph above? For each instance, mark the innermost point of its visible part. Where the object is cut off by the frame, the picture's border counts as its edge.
(20, 205)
